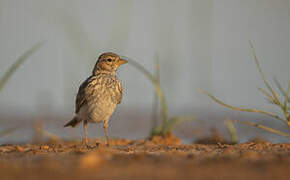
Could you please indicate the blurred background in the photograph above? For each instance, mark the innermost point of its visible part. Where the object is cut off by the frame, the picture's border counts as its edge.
(199, 43)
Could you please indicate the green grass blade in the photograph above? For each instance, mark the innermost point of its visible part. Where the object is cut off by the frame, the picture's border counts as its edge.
(284, 107)
(287, 113)
(288, 91)
(155, 106)
(8, 131)
(268, 95)
(287, 96)
(242, 109)
(286, 100)
(174, 121)
(278, 84)
(233, 132)
(13, 68)
(271, 130)
(275, 95)
(157, 87)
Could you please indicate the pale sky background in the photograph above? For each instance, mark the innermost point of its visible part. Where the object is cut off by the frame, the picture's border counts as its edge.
(200, 44)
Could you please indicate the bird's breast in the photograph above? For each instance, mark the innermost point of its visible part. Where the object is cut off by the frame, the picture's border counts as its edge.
(104, 90)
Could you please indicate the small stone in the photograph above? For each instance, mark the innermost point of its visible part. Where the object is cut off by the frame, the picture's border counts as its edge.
(45, 147)
(19, 148)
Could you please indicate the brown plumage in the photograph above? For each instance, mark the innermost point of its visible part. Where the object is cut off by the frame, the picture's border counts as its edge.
(99, 94)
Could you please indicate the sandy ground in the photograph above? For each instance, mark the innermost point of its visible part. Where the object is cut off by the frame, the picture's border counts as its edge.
(158, 158)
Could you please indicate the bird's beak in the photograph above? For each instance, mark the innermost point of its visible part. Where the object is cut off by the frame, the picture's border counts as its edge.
(122, 61)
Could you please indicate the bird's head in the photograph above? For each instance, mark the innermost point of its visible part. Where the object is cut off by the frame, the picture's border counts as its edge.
(108, 62)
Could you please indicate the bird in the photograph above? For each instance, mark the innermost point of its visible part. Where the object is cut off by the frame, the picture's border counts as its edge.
(99, 95)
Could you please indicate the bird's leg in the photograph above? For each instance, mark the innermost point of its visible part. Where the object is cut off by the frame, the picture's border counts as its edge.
(86, 133)
(107, 133)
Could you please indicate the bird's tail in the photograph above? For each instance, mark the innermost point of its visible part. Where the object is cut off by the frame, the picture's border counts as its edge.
(74, 122)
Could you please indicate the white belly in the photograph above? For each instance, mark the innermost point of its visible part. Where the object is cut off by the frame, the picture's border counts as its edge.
(98, 112)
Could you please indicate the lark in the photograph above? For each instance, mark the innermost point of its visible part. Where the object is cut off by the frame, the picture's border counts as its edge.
(99, 94)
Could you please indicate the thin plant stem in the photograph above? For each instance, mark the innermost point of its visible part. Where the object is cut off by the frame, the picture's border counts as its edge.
(233, 132)
(275, 95)
(158, 90)
(271, 130)
(155, 106)
(286, 107)
(242, 109)
(8, 131)
(14, 67)
(278, 84)
(269, 96)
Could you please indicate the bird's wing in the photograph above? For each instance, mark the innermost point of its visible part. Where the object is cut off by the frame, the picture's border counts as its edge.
(121, 92)
(81, 96)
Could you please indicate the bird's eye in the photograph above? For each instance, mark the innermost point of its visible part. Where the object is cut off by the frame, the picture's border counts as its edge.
(109, 60)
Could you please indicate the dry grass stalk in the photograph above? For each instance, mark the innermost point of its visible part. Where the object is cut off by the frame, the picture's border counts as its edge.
(168, 124)
(271, 95)
(271, 130)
